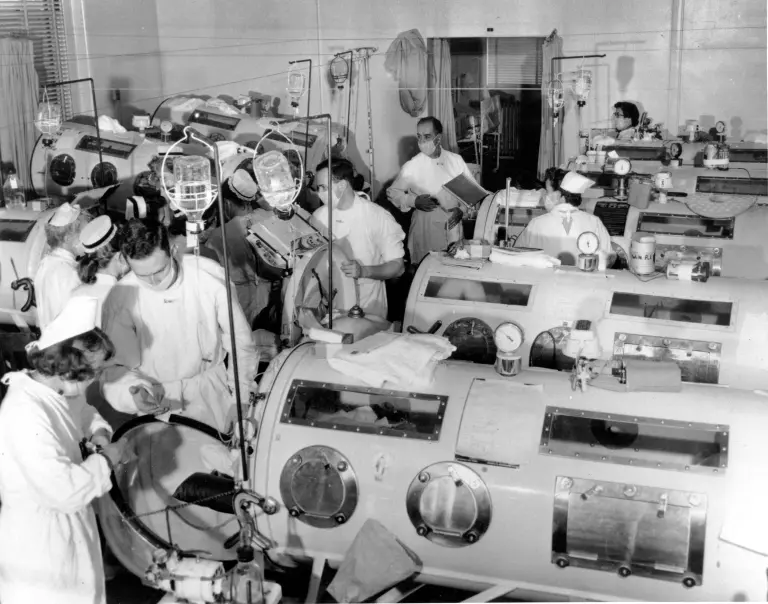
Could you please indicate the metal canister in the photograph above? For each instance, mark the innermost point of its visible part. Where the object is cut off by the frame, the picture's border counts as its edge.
(640, 188)
(642, 254)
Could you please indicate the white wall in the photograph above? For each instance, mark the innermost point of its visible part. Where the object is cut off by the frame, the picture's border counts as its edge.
(716, 67)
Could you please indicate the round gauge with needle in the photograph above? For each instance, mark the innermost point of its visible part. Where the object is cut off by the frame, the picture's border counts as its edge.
(508, 337)
(622, 166)
(588, 243)
(675, 150)
(166, 126)
(720, 127)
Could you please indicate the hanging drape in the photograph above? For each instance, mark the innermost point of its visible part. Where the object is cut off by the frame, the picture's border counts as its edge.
(407, 61)
(440, 88)
(552, 47)
(19, 88)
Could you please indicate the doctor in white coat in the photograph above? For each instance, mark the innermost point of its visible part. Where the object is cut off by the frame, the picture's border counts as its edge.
(169, 320)
(557, 232)
(49, 541)
(56, 276)
(367, 233)
(419, 187)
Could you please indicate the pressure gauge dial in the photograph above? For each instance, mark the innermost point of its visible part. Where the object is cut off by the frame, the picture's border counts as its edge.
(720, 127)
(675, 150)
(622, 166)
(508, 337)
(166, 126)
(588, 243)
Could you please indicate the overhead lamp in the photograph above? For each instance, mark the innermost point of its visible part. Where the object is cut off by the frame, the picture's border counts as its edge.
(193, 191)
(276, 180)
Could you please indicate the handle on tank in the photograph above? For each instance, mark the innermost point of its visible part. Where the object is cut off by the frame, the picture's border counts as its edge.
(27, 284)
(432, 330)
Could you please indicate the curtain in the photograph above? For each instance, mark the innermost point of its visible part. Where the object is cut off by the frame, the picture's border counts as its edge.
(19, 88)
(440, 99)
(552, 47)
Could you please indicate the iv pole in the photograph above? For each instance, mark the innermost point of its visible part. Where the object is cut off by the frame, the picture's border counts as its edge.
(309, 103)
(351, 54)
(551, 74)
(366, 51)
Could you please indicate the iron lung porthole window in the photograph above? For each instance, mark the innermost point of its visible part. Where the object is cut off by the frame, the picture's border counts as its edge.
(63, 170)
(104, 175)
(319, 487)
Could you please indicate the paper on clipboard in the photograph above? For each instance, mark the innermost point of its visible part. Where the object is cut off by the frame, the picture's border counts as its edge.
(496, 411)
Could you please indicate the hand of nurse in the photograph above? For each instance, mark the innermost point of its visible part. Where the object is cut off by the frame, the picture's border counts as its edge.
(353, 269)
(101, 438)
(148, 399)
(118, 453)
(425, 203)
(455, 218)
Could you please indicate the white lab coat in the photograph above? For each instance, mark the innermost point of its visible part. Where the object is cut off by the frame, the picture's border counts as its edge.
(179, 338)
(49, 540)
(366, 232)
(99, 290)
(426, 176)
(557, 233)
(55, 279)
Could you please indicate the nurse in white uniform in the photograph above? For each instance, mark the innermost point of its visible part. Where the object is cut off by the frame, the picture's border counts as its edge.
(557, 232)
(367, 233)
(101, 265)
(57, 276)
(419, 187)
(49, 541)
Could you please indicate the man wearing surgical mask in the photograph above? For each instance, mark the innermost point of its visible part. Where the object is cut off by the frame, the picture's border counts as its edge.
(169, 321)
(626, 116)
(419, 187)
(368, 235)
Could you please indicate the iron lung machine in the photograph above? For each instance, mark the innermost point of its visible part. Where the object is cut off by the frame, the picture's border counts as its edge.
(520, 483)
(716, 331)
(497, 485)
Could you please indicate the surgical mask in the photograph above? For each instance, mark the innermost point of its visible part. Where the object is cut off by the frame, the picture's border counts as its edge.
(165, 282)
(621, 123)
(74, 389)
(551, 200)
(427, 147)
(335, 198)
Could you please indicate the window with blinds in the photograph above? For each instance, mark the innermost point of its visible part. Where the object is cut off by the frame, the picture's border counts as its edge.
(514, 63)
(44, 22)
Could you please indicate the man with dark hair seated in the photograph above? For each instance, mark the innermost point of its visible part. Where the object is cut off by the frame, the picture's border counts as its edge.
(368, 234)
(626, 117)
(169, 321)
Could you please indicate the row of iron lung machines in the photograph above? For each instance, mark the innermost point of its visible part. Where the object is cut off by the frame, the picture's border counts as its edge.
(505, 485)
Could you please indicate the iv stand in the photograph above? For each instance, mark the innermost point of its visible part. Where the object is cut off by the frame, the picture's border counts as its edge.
(366, 51)
(309, 104)
(328, 118)
(551, 74)
(95, 112)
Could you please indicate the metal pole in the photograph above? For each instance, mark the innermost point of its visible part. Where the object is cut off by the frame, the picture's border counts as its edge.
(233, 342)
(309, 105)
(366, 52)
(551, 76)
(95, 112)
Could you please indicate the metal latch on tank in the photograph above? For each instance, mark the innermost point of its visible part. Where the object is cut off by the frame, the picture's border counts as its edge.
(663, 502)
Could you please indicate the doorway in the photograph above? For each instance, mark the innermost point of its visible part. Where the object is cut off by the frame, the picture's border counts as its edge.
(496, 87)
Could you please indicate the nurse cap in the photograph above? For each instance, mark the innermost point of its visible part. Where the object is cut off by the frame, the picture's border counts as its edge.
(80, 315)
(65, 215)
(97, 233)
(575, 183)
(243, 185)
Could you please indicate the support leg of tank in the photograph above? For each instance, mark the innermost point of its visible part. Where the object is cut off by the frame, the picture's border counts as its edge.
(490, 594)
(318, 568)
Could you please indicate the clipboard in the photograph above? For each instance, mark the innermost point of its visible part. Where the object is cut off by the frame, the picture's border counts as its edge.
(466, 190)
